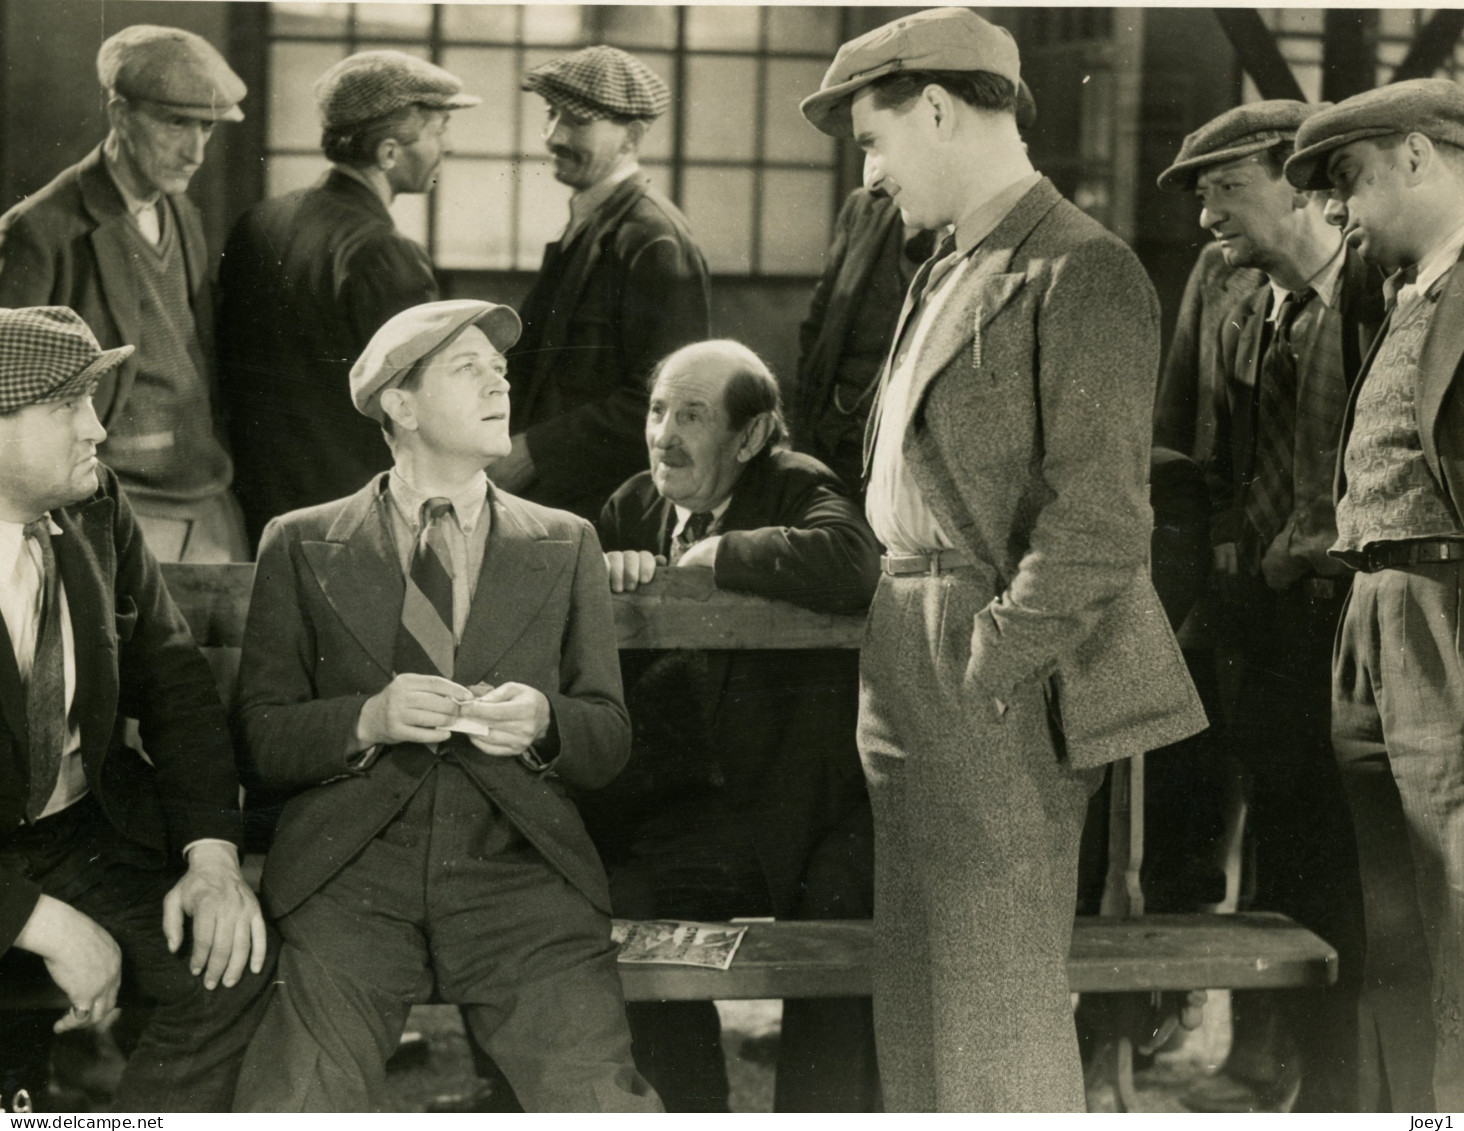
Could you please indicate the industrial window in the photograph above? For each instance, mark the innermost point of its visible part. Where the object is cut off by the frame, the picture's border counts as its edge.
(756, 181)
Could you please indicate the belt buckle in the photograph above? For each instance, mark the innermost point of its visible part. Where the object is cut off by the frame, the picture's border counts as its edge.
(1372, 558)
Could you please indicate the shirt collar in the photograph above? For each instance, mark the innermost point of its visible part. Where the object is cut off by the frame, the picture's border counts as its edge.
(982, 220)
(583, 205)
(683, 515)
(1325, 282)
(467, 504)
(383, 195)
(1431, 268)
(134, 204)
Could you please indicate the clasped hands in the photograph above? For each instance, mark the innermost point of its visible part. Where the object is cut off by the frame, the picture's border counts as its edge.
(422, 708)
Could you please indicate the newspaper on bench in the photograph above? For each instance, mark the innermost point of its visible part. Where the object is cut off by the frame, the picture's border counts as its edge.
(677, 943)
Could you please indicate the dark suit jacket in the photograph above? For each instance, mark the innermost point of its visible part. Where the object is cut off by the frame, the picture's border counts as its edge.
(1028, 435)
(630, 288)
(318, 643)
(306, 279)
(1438, 402)
(136, 658)
(1328, 365)
(67, 246)
(768, 734)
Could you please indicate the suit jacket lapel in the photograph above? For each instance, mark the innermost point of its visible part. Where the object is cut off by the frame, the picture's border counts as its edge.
(359, 572)
(84, 556)
(1443, 349)
(12, 694)
(109, 244)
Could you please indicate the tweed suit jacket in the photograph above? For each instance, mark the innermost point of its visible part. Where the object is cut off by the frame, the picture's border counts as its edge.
(1438, 402)
(1328, 362)
(1028, 436)
(318, 643)
(67, 245)
(135, 658)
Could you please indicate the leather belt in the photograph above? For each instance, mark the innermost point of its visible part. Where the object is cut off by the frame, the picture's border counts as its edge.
(1387, 555)
(934, 563)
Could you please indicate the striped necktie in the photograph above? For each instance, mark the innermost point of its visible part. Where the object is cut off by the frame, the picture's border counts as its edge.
(45, 696)
(1269, 501)
(424, 641)
(693, 532)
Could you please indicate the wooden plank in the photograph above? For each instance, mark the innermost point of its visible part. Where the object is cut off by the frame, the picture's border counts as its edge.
(682, 608)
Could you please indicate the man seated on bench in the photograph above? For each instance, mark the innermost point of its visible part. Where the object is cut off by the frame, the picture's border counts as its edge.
(744, 795)
(106, 858)
(423, 661)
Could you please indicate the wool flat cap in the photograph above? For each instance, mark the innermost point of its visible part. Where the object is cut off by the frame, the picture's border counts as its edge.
(417, 332)
(181, 70)
(600, 82)
(1433, 107)
(1252, 128)
(47, 354)
(373, 84)
(938, 39)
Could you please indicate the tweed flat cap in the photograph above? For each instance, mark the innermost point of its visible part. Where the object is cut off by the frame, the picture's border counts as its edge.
(181, 70)
(373, 84)
(1252, 128)
(938, 39)
(47, 353)
(406, 338)
(600, 82)
(1432, 107)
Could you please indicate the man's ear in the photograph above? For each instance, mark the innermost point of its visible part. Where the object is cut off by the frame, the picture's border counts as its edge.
(635, 132)
(755, 436)
(398, 405)
(387, 152)
(1418, 155)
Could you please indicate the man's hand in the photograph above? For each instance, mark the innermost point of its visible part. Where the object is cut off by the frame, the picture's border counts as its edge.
(81, 957)
(228, 927)
(703, 553)
(1281, 570)
(517, 716)
(514, 471)
(630, 569)
(1226, 560)
(411, 708)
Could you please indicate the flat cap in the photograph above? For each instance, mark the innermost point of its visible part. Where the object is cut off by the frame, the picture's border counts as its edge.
(1433, 107)
(1240, 132)
(47, 354)
(938, 39)
(416, 333)
(600, 82)
(373, 84)
(181, 70)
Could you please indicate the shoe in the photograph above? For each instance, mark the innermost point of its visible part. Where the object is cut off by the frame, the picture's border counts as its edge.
(412, 1051)
(481, 1097)
(1226, 1093)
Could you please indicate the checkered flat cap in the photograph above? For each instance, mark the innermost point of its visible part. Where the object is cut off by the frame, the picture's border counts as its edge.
(372, 84)
(174, 67)
(47, 353)
(1239, 132)
(600, 82)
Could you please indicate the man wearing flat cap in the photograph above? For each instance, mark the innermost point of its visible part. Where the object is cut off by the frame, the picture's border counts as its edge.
(308, 277)
(621, 288)
(426, 665)
(1015, 643)
(1287, 356)
(1393, 161)
(107, 860)
(116, 239)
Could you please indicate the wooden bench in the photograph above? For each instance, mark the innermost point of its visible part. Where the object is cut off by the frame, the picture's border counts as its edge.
(1122, 951)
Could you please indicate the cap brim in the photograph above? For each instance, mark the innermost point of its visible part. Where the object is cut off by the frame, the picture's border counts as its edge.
(1307, 168)
(453, 102)
(828, 111)
(1180, 177)
(84, 381)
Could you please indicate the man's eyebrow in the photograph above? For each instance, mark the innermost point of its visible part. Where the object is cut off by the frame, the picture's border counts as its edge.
(863, 137)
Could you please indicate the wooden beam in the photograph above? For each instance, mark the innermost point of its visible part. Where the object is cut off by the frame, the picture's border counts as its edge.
(1348, 64)
(1258, 53)
(1432, 45)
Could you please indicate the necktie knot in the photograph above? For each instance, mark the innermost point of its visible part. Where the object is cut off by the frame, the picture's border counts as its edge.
(697, 526)
(434, 509)
(37, 529)
(1291, 306)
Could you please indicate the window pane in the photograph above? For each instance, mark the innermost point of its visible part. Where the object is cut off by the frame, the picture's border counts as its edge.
(533, 110)
(718, 202)
(657, 143)
(420, 50)
(1308, 20)
(789, 136)
(294, 122)
(410, 213)
(286, 174)
(638, 25)
(543, 212)
(492, 74)
(552, 23)
(1395, 22)
(493, 22)
(659, 174)
(718, 107)
(1309, 78)
(474, 213)
(805, 30)
(307, 19)
(795, 221)
(393, 21)
(718, 27)
(1296, 50)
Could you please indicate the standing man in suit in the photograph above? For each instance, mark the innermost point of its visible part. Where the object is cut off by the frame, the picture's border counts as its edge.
(116, 239)
(307, 278)
(427, 840)
(621, 288)
(1015, 643)
(1287, 357)
(743, 795)
(105, 857)
(1393, 160)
